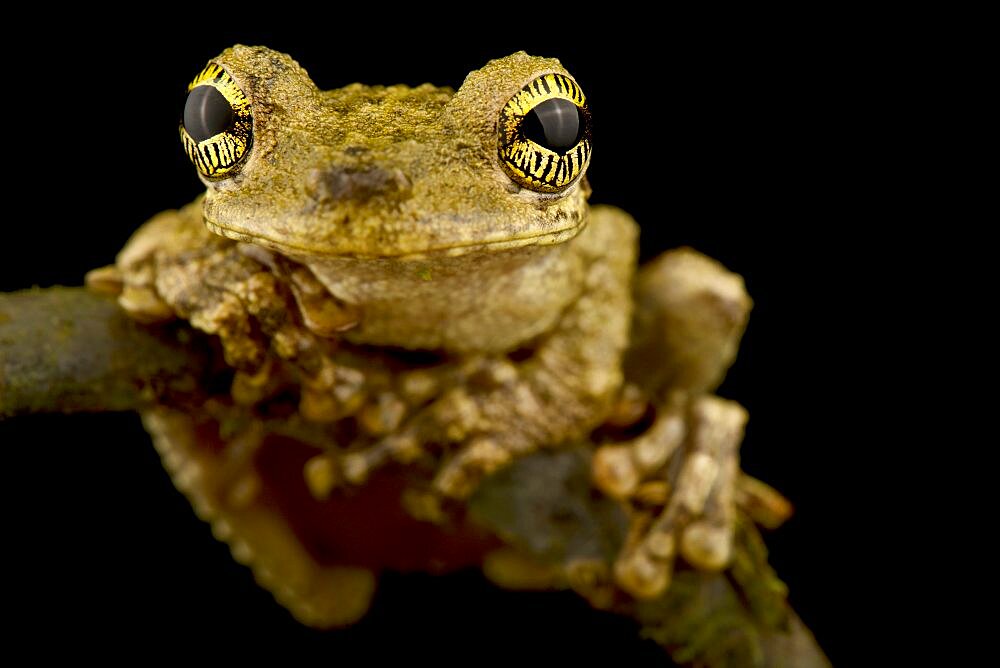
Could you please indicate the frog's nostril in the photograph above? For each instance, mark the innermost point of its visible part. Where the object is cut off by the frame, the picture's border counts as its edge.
(358, 184)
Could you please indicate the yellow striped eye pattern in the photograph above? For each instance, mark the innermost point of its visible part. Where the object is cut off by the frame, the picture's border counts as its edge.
(217, 130)
(545, 134)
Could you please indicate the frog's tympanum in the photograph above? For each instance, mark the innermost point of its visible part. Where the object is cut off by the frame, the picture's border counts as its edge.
(412, 294)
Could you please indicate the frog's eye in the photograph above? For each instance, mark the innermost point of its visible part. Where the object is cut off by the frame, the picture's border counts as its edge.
(217, 130)
(544, 134)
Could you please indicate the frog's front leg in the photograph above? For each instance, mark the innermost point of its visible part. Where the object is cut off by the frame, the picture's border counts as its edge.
(681, 476)
(255, 303)
(562, 391)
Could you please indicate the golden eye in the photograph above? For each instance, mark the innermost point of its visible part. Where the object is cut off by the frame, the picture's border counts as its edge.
(217, 130)
(544, 134)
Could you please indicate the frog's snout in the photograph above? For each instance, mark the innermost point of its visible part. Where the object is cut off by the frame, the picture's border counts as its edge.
(337, 184)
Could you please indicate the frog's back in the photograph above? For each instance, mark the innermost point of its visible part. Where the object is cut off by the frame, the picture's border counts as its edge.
(392, 112)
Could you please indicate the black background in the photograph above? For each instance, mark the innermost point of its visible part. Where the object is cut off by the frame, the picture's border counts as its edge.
(735, 138)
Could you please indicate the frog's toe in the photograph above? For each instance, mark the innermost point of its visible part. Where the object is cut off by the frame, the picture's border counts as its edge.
(329, 391)
(619, 469)
(105, 280)
(144, 305)
(250, 387)
(460, 475)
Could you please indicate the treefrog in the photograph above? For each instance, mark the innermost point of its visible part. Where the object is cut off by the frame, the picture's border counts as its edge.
(411, 277)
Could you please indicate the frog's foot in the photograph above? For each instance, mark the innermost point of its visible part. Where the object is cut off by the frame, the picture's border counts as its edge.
(382, 435)
(457, 423)
(173, 267)
(261, 307)
(476, 427)
(230, 490)
(328, 392)
(691, 453)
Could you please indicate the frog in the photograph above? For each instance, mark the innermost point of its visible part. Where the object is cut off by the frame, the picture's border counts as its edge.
(412, 278)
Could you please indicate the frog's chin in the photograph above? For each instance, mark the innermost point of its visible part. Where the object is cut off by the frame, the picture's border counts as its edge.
(548, 238)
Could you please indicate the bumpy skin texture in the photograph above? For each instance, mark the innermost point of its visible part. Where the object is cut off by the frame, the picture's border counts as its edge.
(378, 219)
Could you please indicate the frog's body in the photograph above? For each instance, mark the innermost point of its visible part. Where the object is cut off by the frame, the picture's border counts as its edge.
(380, 218)
(515, 296)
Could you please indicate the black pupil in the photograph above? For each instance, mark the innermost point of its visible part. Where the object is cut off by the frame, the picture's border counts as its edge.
(555, 124)
(206, 113)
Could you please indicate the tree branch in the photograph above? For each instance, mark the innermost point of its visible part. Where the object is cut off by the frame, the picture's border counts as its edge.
(69, 350)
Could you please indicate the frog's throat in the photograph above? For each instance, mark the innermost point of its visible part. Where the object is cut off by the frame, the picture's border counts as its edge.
(549, 238)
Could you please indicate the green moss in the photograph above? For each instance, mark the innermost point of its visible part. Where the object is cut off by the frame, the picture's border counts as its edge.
(721, 620)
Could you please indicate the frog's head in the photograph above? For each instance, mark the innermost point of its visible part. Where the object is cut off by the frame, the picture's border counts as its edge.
(388, 171)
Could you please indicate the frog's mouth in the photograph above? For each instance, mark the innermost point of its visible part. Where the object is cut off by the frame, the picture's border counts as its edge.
(547, 238)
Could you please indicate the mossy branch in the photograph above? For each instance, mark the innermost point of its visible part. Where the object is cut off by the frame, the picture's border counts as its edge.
(69, 350)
